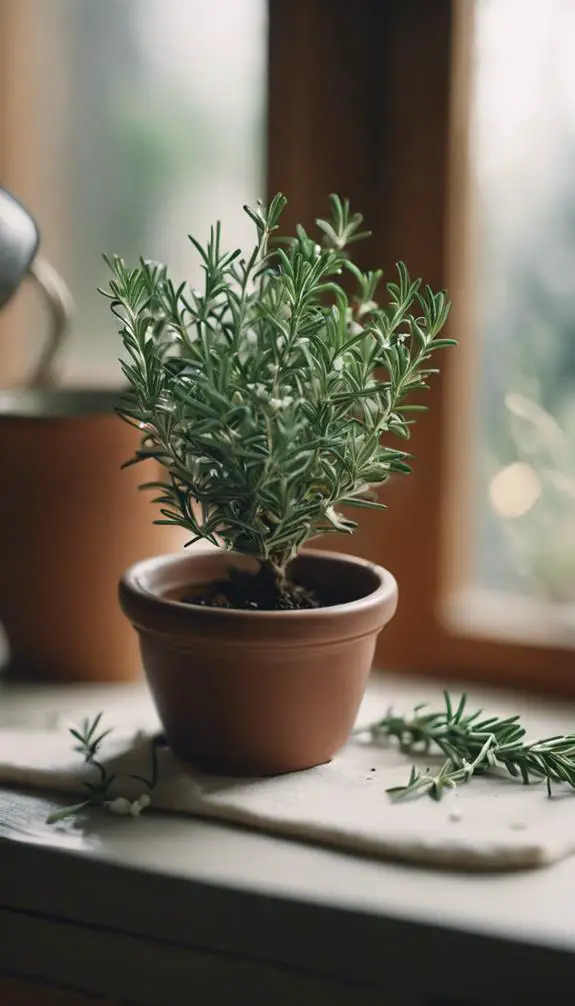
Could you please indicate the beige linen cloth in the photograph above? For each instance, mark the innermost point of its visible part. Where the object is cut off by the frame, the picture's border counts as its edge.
(489, 824)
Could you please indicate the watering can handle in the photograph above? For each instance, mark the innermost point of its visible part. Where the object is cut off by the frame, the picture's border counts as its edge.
(19, 241)
(59, 301)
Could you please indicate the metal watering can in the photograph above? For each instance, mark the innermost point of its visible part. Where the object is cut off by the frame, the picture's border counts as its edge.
(70, 520)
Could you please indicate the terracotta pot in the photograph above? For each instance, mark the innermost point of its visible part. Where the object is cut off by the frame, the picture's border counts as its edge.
(257, 692)
(70, 522)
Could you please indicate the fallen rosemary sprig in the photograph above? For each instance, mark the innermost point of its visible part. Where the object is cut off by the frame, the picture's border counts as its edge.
(473, 746)
(88, 743)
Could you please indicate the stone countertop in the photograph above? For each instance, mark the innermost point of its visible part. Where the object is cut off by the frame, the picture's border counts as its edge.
(345, 921)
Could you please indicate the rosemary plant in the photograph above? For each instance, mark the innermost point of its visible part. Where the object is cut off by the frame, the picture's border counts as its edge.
(266, 395)
(473, 746)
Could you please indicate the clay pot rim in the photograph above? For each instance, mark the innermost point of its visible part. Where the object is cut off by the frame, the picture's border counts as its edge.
(385, 594)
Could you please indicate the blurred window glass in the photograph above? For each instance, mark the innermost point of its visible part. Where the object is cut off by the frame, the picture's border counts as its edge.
(151, 123)
(523, 152)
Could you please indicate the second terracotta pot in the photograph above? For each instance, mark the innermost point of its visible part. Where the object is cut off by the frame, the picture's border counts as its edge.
(70, 522)
(257, 692)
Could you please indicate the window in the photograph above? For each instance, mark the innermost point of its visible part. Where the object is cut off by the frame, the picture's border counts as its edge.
(406, 107)
(143, 116)
(523, 146)
(472, 605)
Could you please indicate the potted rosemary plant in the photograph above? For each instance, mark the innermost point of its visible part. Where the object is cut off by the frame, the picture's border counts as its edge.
(266, 398)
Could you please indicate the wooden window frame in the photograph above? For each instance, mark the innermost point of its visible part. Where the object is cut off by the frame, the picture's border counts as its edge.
(379, 110)
(370, 99)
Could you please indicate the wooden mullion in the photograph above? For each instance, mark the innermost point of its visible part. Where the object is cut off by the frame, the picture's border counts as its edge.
(323, 127)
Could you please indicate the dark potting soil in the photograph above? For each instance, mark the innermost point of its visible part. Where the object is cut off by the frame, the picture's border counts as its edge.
(255, 592)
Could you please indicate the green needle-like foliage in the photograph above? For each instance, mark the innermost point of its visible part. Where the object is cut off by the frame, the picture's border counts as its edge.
(473, 745)
(266, 395)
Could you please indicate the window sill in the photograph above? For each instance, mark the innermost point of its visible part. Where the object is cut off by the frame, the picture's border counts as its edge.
(275, 908)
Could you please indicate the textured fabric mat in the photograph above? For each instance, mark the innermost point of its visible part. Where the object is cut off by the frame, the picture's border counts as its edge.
(488, 824)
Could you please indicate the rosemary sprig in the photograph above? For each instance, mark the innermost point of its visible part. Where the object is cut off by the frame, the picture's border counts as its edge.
(473, 746)
(88, 743)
